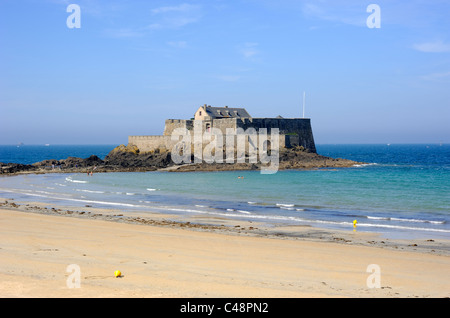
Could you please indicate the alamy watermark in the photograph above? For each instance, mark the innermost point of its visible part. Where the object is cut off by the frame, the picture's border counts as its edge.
(74, 19)
(374, 19)
(235, 146)
(74, 279)
(374, 279)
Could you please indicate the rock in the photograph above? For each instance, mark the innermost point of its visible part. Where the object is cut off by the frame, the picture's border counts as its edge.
(9, 168)
(129, 158)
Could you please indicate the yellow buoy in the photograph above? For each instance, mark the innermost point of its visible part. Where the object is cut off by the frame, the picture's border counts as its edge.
(354, 223)
(117, 273)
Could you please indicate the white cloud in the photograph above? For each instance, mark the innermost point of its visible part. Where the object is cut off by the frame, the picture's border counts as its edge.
(345, 12)
(180, 8)
(175, 16)
(432, 47)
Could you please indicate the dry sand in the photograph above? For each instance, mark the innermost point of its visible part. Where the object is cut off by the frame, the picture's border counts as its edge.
(166, 259)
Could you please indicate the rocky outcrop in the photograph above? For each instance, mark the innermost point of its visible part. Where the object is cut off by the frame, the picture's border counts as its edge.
(11, 168)
(70, 162)
(129, 158)
(292, 158)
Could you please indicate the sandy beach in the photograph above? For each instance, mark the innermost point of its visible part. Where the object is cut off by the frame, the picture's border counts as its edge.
(160, 258)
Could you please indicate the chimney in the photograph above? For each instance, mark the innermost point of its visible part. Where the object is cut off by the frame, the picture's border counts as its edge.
(226, 106)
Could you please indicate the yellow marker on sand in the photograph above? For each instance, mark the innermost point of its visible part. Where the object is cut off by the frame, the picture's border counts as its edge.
(117, 273)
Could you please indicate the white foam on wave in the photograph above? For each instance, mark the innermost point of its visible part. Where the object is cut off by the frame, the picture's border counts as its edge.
(302, 220)
(89, 191)
(150, 189)
(75, 181)
(45, 192)
(287, 208)
(378, 218)
(417, 221)
(79, 200)
(365, 164)
(285, 205)
(404, 220)
(400, 227)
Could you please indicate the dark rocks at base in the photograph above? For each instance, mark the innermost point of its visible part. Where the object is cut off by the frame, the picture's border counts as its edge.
(129, 158)
(70, 162)
(11, 168)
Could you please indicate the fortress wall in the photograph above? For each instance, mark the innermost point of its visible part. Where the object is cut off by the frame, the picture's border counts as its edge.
(225, 123)
(150, 143)
(172, 124)
(293, 132)
(298, 131)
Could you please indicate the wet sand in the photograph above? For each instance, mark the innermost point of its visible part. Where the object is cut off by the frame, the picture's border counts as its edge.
(164, 256)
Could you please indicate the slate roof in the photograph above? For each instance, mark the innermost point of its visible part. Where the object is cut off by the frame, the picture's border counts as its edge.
(227, 112)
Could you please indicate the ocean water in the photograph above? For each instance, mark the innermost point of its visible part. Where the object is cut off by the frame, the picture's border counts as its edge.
(28, 154)
(402, 191)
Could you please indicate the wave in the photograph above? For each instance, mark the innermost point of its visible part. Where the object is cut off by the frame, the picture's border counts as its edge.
(285, 205)
(287, 208)
(89, 191)
(150, 189)
(404, 220)
(78, 200)
(247, 214)
(400, 227)
(365, 164)
(75, 181)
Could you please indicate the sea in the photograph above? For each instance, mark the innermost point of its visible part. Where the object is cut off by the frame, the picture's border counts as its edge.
(400, 191)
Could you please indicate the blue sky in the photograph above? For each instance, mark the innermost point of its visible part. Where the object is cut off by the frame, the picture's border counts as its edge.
(132, 64)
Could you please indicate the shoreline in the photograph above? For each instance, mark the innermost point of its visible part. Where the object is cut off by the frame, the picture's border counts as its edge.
(164, 258)
(228, 226)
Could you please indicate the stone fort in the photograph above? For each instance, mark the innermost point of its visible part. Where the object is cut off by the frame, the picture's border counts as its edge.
(292, 131)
